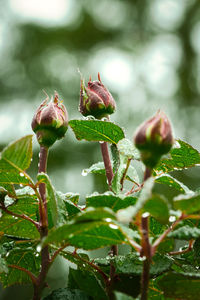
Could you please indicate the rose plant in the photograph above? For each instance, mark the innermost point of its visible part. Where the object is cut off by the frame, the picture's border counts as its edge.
(38, 223)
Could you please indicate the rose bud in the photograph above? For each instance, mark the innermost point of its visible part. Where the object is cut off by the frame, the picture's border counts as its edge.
(50, 121)
(96, 100)
(154, 138)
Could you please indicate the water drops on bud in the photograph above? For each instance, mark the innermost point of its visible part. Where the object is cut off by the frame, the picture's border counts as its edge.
(95, 99)
(154, 138)
(50, 121)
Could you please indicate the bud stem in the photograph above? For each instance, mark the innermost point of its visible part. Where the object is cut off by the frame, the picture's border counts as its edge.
(107, 162)
(45, 257)
(145, 251)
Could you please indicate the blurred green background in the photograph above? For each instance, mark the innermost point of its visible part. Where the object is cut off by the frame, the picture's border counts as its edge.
(148, 55)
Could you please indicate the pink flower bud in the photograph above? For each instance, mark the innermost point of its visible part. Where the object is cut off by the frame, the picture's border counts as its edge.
(154, 138)
(96, 100)
(50, 122)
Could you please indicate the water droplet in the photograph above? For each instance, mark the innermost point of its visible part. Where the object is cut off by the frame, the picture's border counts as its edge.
(21, 185)
(142, 258)
(38, 248)
(113, 226)
(37, 254)
(172, 219)
(108, 220)
(146, 215)
(104, 119)
(84, 173)
(88, 118)
(21, 174)
(7, 254)
(71, 236)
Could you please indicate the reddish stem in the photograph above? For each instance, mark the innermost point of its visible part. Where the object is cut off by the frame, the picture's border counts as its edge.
(107, 162)
(146, 252)
(188, 249)
(45, 257)
(166, 232)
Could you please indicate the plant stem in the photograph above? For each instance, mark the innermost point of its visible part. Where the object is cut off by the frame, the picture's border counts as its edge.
(107, 162)
(188, 249)
(45, 258)
(114, 248)
(124, 174)
(147, 173)
(146, 252)
(166, 232)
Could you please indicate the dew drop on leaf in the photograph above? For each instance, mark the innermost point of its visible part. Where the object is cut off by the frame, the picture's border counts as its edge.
(84, 173)
(113, 226)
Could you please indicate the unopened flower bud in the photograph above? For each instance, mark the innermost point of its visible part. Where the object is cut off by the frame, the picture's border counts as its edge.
(96, 100)
(154, 138)
(50, 121)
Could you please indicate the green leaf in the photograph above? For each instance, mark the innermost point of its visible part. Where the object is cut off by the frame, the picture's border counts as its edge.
(67, 294)
(116, 182)
(3, 266)
(182, 156)
(86, 282)
(155, 227)
(196, 248)
(73, 197)
(120, 296)
(80, 259)
(126, 215)
(189, 203)
(115, 157)
(19, 153)
(14, 160)
(97, 168)
(110, 200)
(157, 206)
(51, 199)
(88, 235)
(126, 148)
(10, 225)
(180, 286)
(132, 264)
(91, 214)
(66, 207)
(94, 130)
(127, 284)
(22, 255)
(9, 174)
(172, 182)
(185, 233)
